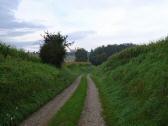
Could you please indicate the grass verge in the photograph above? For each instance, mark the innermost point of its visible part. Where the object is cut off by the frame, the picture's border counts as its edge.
(69, 114)
(25, 86)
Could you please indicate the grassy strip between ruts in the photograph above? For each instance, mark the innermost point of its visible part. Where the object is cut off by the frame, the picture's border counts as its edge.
(70, 113)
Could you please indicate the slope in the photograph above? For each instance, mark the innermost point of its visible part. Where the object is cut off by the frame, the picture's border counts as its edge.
(133, 86)
(26, 84)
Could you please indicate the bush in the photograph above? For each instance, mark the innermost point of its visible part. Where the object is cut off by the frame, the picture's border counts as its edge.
(54, 48)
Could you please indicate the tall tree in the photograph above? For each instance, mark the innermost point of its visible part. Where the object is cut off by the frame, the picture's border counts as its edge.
(54, 48)
(81, 55)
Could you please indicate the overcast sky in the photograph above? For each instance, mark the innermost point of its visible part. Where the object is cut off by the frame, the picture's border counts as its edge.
(90, 23)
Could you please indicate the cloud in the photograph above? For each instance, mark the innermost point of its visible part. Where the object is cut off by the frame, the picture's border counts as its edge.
(75, 36)
(9, 24)
(15, 32)
(90, 23)
(27, 46)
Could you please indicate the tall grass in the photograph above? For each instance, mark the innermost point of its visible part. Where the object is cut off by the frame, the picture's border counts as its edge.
(80, 67)
(26, 84)
(7, 51)
(133, 86)
(128, 54)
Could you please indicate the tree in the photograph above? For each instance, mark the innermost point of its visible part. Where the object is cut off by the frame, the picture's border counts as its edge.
(81, 55)
(53, 50)
(101, 54)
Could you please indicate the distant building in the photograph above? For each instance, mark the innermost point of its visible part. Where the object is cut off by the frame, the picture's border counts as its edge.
(70, 56)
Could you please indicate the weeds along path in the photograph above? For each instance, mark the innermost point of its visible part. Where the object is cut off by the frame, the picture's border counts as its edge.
(42, 116)
(91, 115)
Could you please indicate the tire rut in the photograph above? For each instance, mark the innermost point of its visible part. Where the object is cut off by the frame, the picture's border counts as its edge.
(91, 115)
(44, 114)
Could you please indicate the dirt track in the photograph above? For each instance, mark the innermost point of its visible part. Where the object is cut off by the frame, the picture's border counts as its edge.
(91, 116)
(41, 117)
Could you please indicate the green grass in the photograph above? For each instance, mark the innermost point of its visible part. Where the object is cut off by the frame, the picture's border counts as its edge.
(25, 86)
(69, 114)
(80, 67)
(133, 86)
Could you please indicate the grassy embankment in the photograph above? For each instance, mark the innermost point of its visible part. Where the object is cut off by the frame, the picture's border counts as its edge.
(69, 114)
(26, 84)
(133, 86)
(80, 67)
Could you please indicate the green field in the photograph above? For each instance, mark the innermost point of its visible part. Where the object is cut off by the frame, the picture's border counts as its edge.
(133, 86)
(69, 114)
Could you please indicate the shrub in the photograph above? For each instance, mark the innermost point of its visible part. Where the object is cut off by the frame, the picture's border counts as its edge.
(54, 48)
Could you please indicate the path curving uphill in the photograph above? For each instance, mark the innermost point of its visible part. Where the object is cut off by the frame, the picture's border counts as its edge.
(42, 116)
(91, 115)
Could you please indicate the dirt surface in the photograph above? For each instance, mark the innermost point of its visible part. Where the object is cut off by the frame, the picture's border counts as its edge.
(91, 115)
(42, 116)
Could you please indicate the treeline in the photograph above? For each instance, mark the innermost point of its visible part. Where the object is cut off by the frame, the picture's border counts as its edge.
(53, 51)
(101, 54)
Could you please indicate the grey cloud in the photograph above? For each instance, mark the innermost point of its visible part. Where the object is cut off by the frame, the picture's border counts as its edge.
(80, 34)
(14, 32)
(104, 4)
(24, 44)
(13, 4)
(17, 33)
(9, 23)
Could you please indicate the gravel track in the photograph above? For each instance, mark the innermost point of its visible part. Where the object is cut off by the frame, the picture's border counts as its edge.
(44, 114)
(91, 115)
